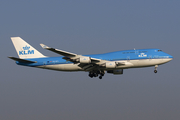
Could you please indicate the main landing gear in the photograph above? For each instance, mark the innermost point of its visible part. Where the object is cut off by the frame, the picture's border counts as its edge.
(96, 74)
(155, 71)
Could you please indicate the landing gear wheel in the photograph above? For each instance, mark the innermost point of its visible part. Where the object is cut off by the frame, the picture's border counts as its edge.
(102, 74)
(155, 71)
(95, 75)
(90, 75)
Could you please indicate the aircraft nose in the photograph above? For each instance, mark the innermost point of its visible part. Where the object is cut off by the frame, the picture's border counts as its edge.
(167, 58)
(170, 56)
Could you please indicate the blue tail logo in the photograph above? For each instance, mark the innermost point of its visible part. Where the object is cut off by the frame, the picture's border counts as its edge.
(26, 51)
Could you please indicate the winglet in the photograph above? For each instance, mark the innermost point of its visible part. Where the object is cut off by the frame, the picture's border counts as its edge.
(44, 46)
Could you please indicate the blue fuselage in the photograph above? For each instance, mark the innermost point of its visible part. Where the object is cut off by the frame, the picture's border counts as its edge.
(136, 57)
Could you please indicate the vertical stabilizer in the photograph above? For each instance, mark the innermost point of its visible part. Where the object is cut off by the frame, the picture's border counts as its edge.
(24, 50)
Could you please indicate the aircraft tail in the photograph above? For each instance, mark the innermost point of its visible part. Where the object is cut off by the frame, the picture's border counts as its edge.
(24, 50)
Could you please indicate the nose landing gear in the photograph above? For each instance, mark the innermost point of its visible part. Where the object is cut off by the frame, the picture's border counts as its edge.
(155, 71)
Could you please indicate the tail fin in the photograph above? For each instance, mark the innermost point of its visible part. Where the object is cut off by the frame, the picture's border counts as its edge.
(24, 50)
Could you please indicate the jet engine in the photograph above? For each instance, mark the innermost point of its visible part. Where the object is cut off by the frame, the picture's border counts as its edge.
(109, 65)
(116, 72)
(84, 60)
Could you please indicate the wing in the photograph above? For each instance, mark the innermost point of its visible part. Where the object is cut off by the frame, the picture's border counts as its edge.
(72, 56)
(85, 62)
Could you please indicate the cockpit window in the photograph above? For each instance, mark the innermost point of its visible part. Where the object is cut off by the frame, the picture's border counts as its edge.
(159, 50)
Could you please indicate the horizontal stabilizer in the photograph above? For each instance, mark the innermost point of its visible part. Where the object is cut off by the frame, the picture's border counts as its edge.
(22, 60)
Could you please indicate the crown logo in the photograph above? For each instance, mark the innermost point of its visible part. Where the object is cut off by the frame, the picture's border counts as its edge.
(26, 48)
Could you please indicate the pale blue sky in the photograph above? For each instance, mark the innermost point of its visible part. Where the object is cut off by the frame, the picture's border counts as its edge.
(89, 27)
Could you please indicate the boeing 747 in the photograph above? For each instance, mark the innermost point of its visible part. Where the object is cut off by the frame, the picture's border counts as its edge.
(96, 64)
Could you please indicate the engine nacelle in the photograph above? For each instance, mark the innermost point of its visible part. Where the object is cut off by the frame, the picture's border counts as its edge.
(85, 60)
(110, 65)
(116, 72)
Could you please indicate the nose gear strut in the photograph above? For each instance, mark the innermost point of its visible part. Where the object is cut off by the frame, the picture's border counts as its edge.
(155, 71)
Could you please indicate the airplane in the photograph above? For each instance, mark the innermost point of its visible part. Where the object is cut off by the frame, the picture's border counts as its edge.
(95, 64)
